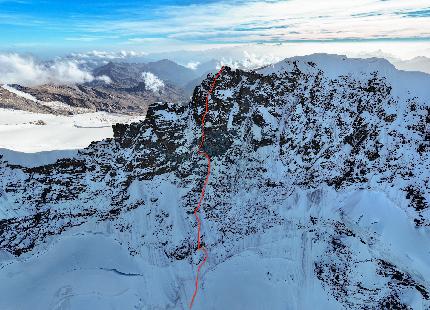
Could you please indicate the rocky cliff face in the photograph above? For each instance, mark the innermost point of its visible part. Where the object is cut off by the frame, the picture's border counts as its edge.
(319, 194)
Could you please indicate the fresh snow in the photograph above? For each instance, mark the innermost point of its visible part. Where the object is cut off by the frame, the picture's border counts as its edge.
(36, 132)
(335, 66)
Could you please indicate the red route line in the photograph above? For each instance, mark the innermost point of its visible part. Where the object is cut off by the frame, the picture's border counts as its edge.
(202, 195)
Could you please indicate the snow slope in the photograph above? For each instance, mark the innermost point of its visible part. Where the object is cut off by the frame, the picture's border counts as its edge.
(336, 66)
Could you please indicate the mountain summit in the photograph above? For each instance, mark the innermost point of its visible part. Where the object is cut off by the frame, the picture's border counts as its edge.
(319, 194)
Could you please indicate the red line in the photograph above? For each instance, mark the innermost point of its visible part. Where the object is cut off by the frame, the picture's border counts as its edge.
(202, 195)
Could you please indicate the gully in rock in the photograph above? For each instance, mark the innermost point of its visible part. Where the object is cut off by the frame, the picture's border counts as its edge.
(202, 195)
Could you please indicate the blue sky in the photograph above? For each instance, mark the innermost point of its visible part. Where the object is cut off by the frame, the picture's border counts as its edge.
(163, 25)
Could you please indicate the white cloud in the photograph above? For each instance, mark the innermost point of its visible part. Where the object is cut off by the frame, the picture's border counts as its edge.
(104, 78)
(192, 65)
(152, 82)
(277, 21)
(82, 39)
(162, 28)
(250, 61)
(67, 72)
(107, 54)
(146, 40)
(17, 69)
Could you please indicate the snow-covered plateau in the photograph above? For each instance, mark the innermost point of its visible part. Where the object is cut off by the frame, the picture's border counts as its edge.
(318, 199)
(37, 132)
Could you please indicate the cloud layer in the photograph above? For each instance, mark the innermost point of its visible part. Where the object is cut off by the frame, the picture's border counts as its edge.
(110, 55)
(279, 21)
(161, 26)
(250, 61)
(17, 69)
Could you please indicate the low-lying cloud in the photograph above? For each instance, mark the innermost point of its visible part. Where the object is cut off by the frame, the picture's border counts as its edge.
(109, 54)
(152, 82)
(250, 61)
(104, 78)
(25, 70)
(192, 65)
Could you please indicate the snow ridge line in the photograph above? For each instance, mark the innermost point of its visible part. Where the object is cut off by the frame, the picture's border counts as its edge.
(202, 195)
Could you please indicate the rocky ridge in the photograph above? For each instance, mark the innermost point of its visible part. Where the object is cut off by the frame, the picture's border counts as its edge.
(108, 98)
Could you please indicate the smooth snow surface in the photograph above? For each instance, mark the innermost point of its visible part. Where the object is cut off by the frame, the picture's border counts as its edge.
(35, 159)
(22, 131)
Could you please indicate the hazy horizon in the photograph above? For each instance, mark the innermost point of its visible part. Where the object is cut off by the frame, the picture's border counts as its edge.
(240, 33)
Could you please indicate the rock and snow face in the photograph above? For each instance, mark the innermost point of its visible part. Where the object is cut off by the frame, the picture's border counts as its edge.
(318, 195)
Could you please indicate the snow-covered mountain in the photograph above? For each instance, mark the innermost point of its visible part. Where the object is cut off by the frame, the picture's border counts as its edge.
(421, 63)
(318, 199)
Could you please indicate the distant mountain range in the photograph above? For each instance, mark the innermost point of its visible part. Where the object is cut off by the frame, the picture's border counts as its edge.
(415, 64)
(126, 74)
(118, 87)
(68, 99)
(121, 85)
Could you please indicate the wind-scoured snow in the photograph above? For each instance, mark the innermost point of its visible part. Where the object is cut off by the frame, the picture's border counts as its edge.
(20, 93)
